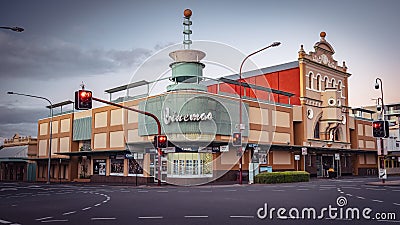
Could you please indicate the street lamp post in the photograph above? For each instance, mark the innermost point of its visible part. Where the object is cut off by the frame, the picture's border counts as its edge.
(241, 126)
(379, 85)
(51, 128)
(16, 29)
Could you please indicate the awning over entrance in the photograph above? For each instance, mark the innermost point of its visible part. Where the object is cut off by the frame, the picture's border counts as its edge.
(14, 154)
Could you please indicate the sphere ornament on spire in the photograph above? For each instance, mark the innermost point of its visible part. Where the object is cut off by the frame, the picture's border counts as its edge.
(187, 13)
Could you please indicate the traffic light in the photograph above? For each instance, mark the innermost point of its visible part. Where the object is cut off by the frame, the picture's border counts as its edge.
(160, 141)
(83, 99)
(237, 139)
(380, 129)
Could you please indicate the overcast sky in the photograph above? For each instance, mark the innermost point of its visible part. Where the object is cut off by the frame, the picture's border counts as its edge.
(103, 42)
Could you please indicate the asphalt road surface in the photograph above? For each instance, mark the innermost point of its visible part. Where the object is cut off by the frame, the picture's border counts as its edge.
(345, 201)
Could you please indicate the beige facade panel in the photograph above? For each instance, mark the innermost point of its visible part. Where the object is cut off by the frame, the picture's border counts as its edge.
(281, 158)
(116, 117)
(370, 144)
(297, 113)
(361, 159)
(280, 119)
(360, 143)
(229, 158)
(54, 128)
(100, 140)
(100, 119)
(83, 114)
(65, 125)
(132, 116)
(42, 147)
(117, 139)
(64, 144)
(43, 128)
(54, 146)
(370, 159)
(258, 116)
(360, 129)
(258, 136)
(352, 123)
(368, 130)
(133, 136)
(281, 138)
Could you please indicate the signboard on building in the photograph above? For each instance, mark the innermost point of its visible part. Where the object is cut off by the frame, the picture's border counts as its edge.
(224, 148)
(304, 151)
(169, 150)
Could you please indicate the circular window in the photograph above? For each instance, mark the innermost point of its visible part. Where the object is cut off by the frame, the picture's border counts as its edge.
(331, 102)
(310, 113)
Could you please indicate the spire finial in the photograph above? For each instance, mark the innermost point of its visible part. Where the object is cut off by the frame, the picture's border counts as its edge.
(186, 28)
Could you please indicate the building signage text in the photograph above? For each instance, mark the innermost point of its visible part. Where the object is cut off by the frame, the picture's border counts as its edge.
(170, 116)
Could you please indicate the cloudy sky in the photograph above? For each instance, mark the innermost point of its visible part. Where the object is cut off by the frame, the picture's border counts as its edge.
(102, 43)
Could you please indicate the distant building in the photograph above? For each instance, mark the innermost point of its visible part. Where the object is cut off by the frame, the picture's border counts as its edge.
(15, 163)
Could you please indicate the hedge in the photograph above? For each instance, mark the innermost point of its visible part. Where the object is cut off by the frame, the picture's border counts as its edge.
(282, 177)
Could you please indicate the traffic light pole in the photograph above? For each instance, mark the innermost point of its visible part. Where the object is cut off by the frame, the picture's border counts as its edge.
(382, 159)
(147, 114)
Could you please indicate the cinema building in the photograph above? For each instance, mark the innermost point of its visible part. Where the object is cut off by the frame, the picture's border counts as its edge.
(295, 115)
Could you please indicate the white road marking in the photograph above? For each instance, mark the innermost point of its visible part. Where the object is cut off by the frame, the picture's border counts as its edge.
(349, 195)
(15, 224)
(51, 221)
(143, 191)
(398, 204)
(183, 191)
(250, 217)
(103, 218)
(5, 221)
(97, 204)
(44, 218)
(302, 189)
(67, 213)
(360, 197)
(196, 216)
(150, 217)
(86, 208)
(230, 190)
(374, 200)
(376, 189)
(162, 191)
(278, 190)
(205, 191)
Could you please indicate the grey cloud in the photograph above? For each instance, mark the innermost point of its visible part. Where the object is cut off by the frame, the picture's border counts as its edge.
(44, 59)
(21, 115)
(24, 129)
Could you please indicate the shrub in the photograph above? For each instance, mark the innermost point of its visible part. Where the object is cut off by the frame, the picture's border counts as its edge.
(282, 177)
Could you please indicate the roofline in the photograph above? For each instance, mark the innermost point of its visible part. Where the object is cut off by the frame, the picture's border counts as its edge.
(251, 73)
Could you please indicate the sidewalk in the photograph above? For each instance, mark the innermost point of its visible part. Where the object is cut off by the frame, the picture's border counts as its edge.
(387, 183)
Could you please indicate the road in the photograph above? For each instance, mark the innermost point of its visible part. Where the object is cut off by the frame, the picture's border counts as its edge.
(27, 203)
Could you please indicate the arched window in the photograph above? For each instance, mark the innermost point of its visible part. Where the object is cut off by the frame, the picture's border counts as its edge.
(318, 82)
(317, 131)
(333, 83)
(310, 80)
(326, 82)
(339, 84)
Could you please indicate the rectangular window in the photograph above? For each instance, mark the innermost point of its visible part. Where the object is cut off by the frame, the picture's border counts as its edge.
(135, 166)
(309, 160)
(117, 167)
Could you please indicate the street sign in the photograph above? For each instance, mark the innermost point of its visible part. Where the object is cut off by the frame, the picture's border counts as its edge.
(304, 151)
(337, 156)
(297, 157)
(382, 174)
